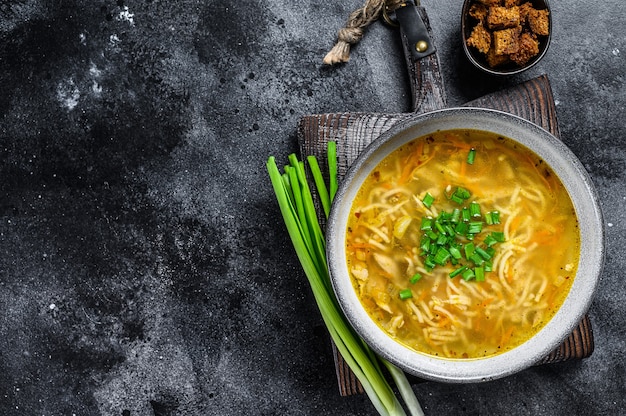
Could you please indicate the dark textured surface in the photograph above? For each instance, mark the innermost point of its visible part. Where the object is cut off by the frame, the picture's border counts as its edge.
(144, 269)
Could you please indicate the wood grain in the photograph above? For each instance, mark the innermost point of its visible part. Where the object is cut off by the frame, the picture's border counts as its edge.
(352, 132)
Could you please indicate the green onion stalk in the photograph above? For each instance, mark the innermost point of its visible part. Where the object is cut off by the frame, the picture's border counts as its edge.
(300, 216)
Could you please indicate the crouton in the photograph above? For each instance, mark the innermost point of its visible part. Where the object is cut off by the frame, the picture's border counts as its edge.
(490, 2)
(506, 41)
(478, 11)
(494, 60)
(480, 38)
(538, 22)
(503, 18)
(507, 31)
(524, 10)
(528, 49)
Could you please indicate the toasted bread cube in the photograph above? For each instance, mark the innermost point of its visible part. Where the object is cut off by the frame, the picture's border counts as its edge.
(528, 49)
(494, 60)
(491, 2)
(480, 38)
(506, 41)
(538, 22)
(503, 18)
(478, 11)
(524, 10)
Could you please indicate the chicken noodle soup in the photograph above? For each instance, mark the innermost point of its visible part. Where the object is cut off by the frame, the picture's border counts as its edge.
(523, 283)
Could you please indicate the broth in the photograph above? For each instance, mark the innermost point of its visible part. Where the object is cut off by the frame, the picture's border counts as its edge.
(531, 270)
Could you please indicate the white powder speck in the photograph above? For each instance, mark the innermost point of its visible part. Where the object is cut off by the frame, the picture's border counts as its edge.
(615, 51)
(68, 94)
(610, 224)
(94, 71)
(127, 16)
(52, 306)
(82, 38)
(114, 39)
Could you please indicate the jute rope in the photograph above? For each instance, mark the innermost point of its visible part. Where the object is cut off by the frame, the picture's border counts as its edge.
(354, 28)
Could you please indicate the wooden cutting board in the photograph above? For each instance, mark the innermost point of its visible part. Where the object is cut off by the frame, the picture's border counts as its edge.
(532, 100)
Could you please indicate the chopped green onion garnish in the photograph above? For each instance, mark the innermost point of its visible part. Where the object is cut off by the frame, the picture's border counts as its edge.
(429, 263)
(461, 228)
(441, 239)
(469, 250)
(465, 214)
(498, 236)
(482, 253)
(428, 200)
(471, 156)
(442, 256)
(489, 240)
(475, 227)
(458, 271)
(457, 199)
(406, 294)
(476, 259)
(474, 209)
(492, 218)
(455, 252)
(456, 216)
(416, 277)
(480, 274)
(462, 193)
(427, 224)
(468, 274)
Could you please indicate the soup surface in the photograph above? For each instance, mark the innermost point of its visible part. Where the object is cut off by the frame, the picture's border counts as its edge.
(435, 286)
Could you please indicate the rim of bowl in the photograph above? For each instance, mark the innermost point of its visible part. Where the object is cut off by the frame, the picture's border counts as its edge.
(477, 59)
(584, 197)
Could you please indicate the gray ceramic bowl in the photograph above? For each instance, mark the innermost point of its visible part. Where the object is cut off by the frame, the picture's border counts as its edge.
(478, 59)
(574, 177)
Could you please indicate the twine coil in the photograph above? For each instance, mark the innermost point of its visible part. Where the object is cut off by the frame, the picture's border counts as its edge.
(355, 26)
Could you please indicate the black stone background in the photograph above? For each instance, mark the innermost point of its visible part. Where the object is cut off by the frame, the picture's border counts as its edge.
(144, 267)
